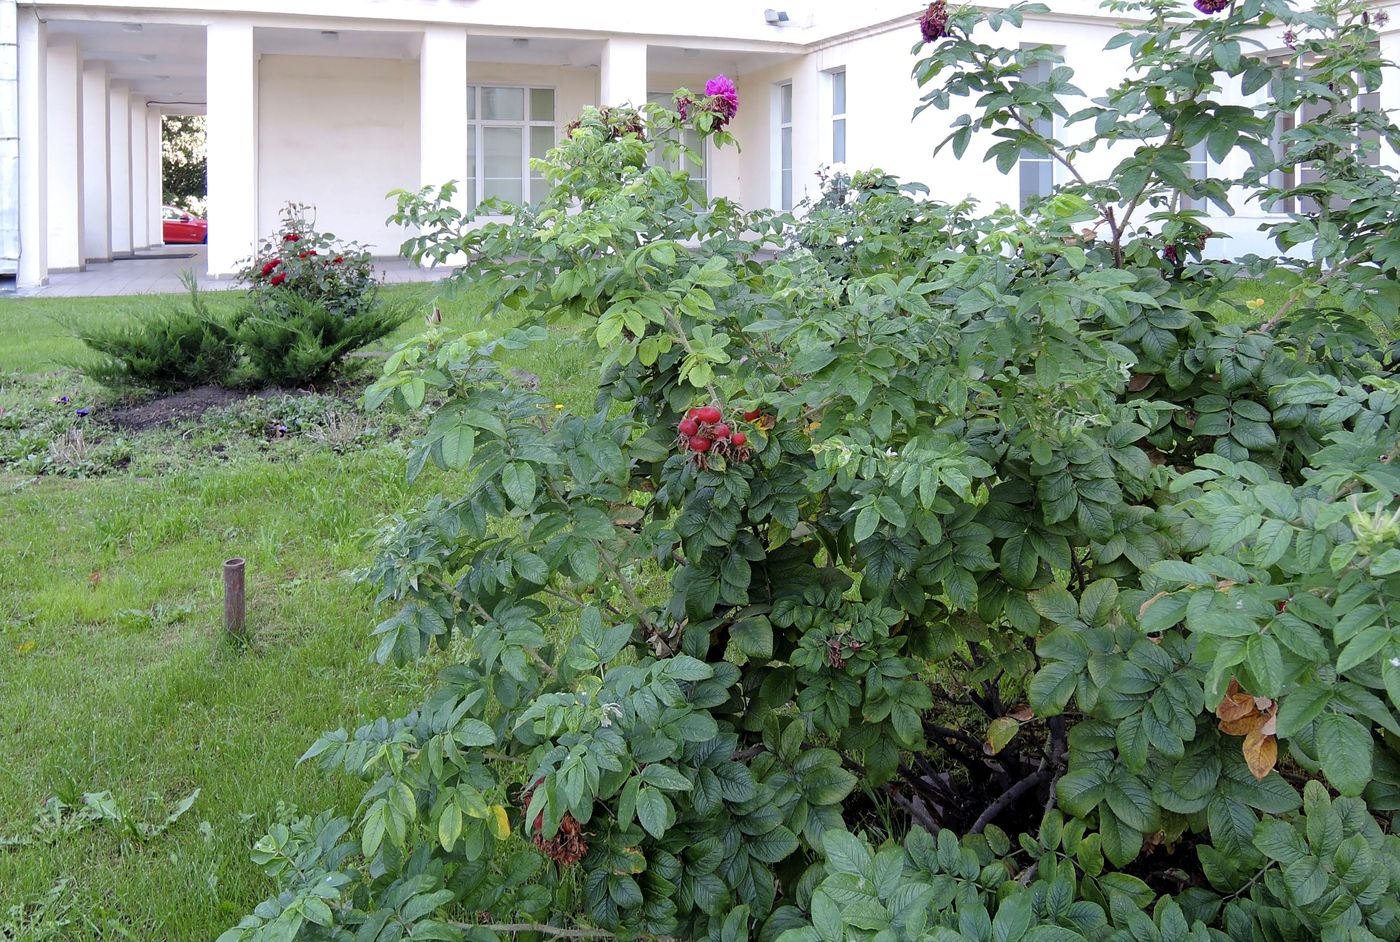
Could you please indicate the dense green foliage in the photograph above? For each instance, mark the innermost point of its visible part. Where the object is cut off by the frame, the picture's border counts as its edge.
(1049, 561)
(177, 347)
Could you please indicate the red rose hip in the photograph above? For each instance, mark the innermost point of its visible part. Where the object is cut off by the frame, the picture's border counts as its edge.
(688, 427)
(699, 444)
(720, 431)
(752, 414)
(708, 414)
(739, 438)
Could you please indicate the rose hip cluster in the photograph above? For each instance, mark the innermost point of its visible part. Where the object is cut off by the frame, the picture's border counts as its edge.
(703, 432)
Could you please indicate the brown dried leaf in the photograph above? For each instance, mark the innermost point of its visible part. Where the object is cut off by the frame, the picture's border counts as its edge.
(1242, 726)
(1022, 713)
(1260, 753)
(1236, 705)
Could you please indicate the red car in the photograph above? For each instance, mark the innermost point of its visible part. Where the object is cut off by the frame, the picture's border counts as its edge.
(180, 226)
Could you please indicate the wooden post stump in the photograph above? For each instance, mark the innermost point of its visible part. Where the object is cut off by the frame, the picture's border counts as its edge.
(234, 610)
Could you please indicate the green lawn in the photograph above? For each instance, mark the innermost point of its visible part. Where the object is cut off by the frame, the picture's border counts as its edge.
(117, 677)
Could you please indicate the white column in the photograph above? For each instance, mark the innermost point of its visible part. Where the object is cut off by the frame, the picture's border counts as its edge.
(232, 97)
(623, 72)
(65, 157)
(1389, 91)
(442, 70)
(140, 215)
(807, 127)
(33, 267)
(97, 204)
(155, 176)
(119, 136)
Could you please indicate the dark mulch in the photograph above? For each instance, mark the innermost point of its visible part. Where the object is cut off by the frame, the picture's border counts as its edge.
(178, 407)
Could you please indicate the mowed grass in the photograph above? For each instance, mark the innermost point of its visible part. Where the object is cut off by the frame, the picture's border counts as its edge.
(117, 677)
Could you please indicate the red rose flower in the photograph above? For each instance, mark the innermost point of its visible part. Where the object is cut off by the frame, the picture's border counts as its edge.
(291, 237)
(278, 278)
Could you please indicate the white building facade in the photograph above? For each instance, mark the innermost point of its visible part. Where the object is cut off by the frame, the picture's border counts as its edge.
(336, 102)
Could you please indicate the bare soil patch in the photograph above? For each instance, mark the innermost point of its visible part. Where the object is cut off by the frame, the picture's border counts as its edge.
(179, 407)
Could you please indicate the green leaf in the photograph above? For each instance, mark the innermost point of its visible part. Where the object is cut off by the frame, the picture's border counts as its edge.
(518, 480)
(754, 637)
(475, 733)
(846, 853)
(772, 846)
(1176, 571)
(653, 811)
(1055, 603)
(1345, 747)
(1019, 562)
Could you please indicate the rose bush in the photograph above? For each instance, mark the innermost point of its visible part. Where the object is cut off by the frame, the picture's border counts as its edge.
(1050, 594)
(311, 301)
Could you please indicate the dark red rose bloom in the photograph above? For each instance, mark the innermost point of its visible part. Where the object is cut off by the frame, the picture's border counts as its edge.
(1211, 6)
(278, 278)
(933, 25)
(291, 237)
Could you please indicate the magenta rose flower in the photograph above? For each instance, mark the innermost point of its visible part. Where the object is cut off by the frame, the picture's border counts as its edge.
(723, 99)
(1211, 6)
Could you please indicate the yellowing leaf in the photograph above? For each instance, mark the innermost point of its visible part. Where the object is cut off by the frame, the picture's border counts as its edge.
(499, 823)
(26, 647)
(1000, 732)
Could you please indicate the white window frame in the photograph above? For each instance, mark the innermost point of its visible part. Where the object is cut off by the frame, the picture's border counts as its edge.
(785, 190)
(839, 137)
(477, 124)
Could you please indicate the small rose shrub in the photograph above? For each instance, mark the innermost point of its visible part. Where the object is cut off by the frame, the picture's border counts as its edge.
(1050, 595)
(311, 301)
(312, 265)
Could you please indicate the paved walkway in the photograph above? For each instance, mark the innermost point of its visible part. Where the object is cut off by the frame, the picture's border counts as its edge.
(158, 271)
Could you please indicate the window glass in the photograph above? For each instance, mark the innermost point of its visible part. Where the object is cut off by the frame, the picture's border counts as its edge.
(541, 104)
(1197, 168)
(503, 163)
(838, 116)
(785, 183)
(1037, 171)
(503, 104)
